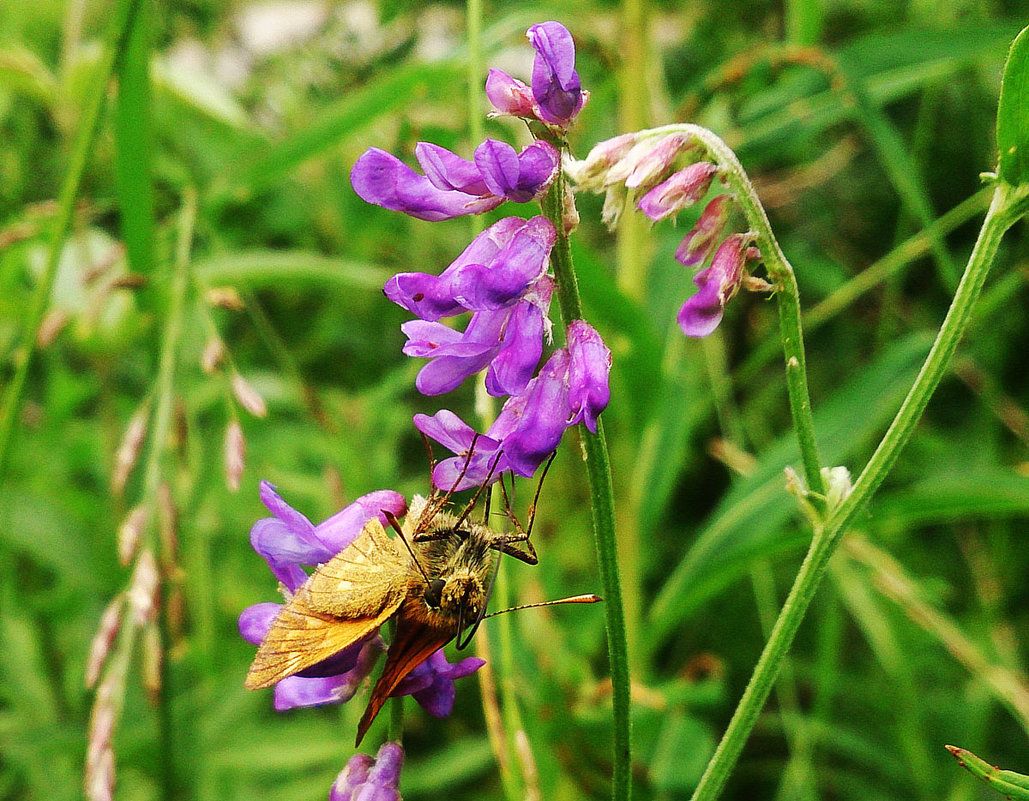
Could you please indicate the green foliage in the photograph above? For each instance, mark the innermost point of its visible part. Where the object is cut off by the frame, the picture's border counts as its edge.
(1013, 113)
(857, 144)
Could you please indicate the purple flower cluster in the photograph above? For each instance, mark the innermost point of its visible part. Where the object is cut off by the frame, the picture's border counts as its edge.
(651, 168)
(289, 540)
(501, 279)
(368, 779)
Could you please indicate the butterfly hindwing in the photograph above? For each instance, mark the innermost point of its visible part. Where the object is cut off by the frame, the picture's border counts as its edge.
(413, 644)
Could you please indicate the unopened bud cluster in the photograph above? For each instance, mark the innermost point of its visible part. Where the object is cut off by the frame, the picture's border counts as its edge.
(662, 174)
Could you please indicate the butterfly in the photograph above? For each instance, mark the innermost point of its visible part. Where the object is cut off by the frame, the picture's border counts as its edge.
(434, 578)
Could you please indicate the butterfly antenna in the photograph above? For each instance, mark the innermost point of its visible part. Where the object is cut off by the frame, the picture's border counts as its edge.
(575, 599)
(403, 538)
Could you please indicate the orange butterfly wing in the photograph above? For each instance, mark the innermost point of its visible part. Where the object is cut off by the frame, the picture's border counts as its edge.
(413, 644)
(342, 602)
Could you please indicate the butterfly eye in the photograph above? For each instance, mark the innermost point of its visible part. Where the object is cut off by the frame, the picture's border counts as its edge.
(434, 593)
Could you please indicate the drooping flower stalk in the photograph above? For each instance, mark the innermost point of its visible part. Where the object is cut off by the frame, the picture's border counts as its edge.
(1008, 204)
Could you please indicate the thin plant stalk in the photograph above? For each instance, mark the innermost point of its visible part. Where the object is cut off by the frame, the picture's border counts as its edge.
(598, 472)
(827, 535)
(89, 130)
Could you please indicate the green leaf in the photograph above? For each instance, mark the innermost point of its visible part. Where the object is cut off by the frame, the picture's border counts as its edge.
(1013, 113)
(751, 520)
(1013, 785)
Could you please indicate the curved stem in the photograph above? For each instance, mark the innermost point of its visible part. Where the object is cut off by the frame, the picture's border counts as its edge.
(598, 471)
(827, 537)
(780, 271)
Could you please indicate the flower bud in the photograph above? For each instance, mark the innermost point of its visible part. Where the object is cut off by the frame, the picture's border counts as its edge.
(130, 532)
(110, 624)
(130, 447)
(247, 396)
(235, 454)
(683, 189)
(214, 352)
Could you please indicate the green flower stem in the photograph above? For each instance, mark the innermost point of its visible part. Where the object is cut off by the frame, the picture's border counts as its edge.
(89, 130)
(785, 283)
(172, 335)
(598, 471)
(1002, 213)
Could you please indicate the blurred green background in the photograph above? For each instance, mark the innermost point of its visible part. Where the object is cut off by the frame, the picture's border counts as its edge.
(222, 157)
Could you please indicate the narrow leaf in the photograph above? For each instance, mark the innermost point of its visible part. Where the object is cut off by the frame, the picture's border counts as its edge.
(1013, 113)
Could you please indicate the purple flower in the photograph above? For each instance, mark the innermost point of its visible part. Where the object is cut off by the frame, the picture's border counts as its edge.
(555, 83)
(508, 340)
(384, 180)
(683, 189)
(701, 314)
(588, 369)
(432, 682)
(289, 540)
(501, 277)
(496, 270)
(705, 236)
(452, 186)
(556, 96)
(367, 779)
(572, 387)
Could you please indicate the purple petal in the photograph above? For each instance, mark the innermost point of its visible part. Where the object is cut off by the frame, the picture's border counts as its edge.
(447, 429)
(432, 682)
(384, 778)
(702, 239)
(538, 166)
(543, 419)
(306, 690)
(509, 95)
(447, 373)
(382, 179)
(430, 297)
(514, 268)
(522, 347)
(293, 519)
(555, 83)
(447, 170)
(343, 528)
(427, 339)
(498, 164)
(285, 551)
(683, 189)
(588, 370)
(256, 621)
(351, 777)
(457, 436)
(701, 314)
(555, 46)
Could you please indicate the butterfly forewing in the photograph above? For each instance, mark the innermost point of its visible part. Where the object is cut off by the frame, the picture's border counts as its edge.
(343, 601)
